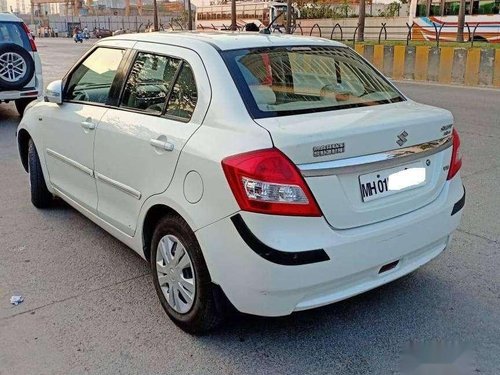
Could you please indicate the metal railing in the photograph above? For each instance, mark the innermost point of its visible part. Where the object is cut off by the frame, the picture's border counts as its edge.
(436, 34)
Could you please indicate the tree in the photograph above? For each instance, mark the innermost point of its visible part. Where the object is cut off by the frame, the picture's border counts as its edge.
(344, 9)
(288, 16)
(190, 15)
(155, 15)
(461, 22)
(361, 20)
(233, 15)
(441, 7)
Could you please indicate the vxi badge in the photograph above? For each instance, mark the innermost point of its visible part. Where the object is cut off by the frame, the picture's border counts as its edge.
(331, 149)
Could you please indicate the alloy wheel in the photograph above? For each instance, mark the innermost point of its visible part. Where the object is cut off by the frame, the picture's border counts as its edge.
(13, 67)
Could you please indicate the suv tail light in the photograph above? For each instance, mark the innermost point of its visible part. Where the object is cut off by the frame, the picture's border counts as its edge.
(456, 156)
(266, 181)
(30, 37)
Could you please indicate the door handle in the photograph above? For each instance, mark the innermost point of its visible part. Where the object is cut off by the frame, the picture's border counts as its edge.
(164, 145)
(88, 125)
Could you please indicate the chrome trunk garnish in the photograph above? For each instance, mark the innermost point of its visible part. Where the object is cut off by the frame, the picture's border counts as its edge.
(380, 160)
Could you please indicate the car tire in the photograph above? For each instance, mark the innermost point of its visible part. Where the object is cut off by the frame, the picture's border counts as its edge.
(204, 314)
(21, 104)
(9, 51)
(40, 195)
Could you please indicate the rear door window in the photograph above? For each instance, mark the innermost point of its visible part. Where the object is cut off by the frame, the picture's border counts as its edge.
(161, 85)
(12, 32)
(149, 83)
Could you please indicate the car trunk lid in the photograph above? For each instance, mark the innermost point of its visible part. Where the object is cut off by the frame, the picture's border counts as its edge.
(341, 153)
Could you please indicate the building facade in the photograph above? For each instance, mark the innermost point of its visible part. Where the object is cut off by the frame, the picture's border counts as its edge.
(3, 6)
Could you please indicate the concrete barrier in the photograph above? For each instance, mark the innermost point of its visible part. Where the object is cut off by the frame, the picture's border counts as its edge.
(465, 66)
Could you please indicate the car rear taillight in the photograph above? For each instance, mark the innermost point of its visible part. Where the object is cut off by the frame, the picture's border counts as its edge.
(266, 181)
(30, 37)
(456, 156)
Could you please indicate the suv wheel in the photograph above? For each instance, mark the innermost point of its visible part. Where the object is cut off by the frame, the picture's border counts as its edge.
(16, 66)
(181, 277)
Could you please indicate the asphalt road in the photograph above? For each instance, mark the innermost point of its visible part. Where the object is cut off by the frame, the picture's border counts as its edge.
(90, 306)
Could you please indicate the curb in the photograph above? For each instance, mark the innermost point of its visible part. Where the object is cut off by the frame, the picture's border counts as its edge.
(445, 65)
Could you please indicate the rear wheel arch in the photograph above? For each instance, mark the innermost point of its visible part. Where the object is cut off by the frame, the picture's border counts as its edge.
(153, 216)
(23, 140)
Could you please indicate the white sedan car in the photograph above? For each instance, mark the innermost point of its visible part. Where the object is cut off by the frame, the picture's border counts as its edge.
(269, 173)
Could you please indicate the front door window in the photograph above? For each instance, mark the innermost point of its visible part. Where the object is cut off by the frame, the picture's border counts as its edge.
(91, 81)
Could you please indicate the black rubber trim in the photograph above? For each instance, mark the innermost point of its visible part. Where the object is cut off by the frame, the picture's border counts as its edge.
(284, 258)
(459, 205)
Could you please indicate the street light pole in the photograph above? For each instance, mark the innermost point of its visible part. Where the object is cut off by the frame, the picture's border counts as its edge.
(233, 15)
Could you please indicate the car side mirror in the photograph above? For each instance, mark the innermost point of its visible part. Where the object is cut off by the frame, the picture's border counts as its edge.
(53, 92)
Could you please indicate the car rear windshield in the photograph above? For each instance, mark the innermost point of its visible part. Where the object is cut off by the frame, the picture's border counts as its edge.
(12, 32)
(284, 81)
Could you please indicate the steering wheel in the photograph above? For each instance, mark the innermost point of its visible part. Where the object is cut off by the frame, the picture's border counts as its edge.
(81, 96)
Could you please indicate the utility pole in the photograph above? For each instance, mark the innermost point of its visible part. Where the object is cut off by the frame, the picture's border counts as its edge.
(233, 15)
(32, 13)
(155, 15)
(288, 16)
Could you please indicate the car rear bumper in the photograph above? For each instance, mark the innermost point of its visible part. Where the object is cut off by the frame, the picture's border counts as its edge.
(260, 283)
(33, 90)
(29, 92)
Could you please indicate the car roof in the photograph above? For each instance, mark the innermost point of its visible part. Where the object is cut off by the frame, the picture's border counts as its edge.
(228, 40)
(9, 17)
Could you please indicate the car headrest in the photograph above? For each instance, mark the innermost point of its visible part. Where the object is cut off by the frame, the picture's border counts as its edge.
(263, 95)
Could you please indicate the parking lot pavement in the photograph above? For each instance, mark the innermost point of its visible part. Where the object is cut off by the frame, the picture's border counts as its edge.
(90, 306)
(58, 55)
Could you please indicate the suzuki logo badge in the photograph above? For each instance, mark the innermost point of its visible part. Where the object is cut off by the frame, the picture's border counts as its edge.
(402, 138)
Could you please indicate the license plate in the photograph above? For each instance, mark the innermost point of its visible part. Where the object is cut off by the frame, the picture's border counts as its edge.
(391, 181)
